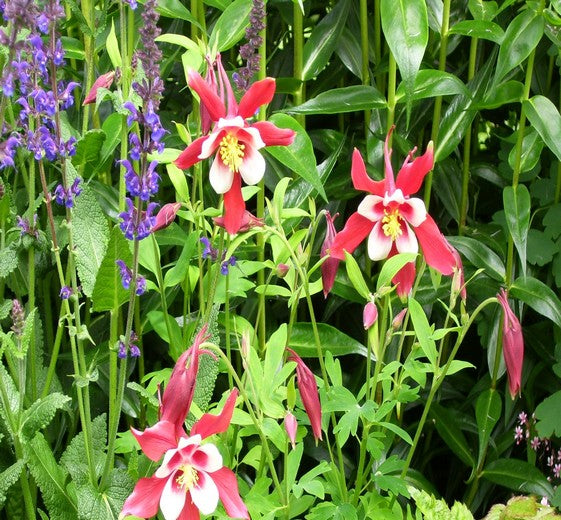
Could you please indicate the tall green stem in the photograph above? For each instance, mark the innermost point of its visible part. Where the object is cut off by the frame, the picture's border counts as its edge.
(392, 75)
(298, 65)
(364, 48)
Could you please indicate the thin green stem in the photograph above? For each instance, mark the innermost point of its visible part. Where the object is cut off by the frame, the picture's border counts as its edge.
(364, 54)
(392, 78)
(298, 58)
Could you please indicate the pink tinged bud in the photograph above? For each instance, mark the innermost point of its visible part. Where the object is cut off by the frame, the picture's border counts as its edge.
(282, 269)
(104, 81)
(513, 346)
(330, 266)
(458, 282)
(290, 425)
(248, 221)
(398, 320)
(369, 315)
(308, 392)
(166, 215)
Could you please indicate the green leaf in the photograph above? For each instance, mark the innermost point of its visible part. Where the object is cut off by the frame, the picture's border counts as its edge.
(299, 156)
(341, 100)
(518, 475)
(541, 248)
(112, 46)
(521, 37)
(480, 256)
(545, 118)
(41, 413)
(230, 27)
(112, 129)
(487, 413)
(158, 321)
(175, 9)
(481, 29)
(355, 276)
(423, 330)
(508, 92)
(91, 234)
(446, 426)
(391, 267)
(94, 504)
(8, 261)
(532, 145)
(73, 48)
(8, 478)
(332, 340)
(517, 212)
(50, 477)
(108, 292)
(179, 182)
(178, 39)
(547, 414)
(538, 296)
(432, 83)
(323, 40)
(88, 150)
(405, 26)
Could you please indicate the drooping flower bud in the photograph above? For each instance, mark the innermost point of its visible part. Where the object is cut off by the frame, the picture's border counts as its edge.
(104, 81)
(513, 345)
(330, 266)
(398, 320)
(166, 215)
(308, 392)
(369, 315)
(291, 425)
(282, 269)
(248, 221)
(458, 282)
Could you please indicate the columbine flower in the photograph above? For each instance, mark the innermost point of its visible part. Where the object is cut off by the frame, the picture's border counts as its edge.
(248, 221)
(513, 345)
(308, 392)
(330, 266)
(394, 221)
(166, 215)
(235, 141)
(369, 315)
(104, 81)
(291, 426)
(192, 477)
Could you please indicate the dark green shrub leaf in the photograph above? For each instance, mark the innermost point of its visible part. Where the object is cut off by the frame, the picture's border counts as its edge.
(482, 29)
(517, 211)
(230, 27)
(480, 256)
(487, 413)
(432, 83)
(545, 118)
(538, 296)
(547, 414)
(518, 475)
(8, 478)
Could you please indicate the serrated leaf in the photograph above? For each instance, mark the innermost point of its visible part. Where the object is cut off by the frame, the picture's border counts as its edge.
(51, 479)
(41, 413)
(90, 231)
(323, 40)
(299, 156)
(341, 100)
(8, 261)
(108, 292)
(8, 478)
(545, 118)
(539, 296)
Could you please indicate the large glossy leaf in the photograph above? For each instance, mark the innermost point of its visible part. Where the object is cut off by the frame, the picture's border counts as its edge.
(532, 146)
(432, 83)
(332, 340)
(480, 256)
(175, 9)
(539, 296)
(507, 92)
(518, 475)
(479, 29)
(487, 413)
(517, 211)
(545, 118)
(521, 37)
(323, 40)
(230, 27)
(299, 156)
(340, 100)
(405, 26)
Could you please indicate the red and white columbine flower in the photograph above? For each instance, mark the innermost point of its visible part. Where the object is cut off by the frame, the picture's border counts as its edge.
(234, 141)
(393, 221)
(192, 477)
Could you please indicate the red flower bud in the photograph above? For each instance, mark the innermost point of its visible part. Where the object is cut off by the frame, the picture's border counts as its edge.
(369, 315)
(330, 266)
(513, 345)
(104, 81)
(166, 215)
(291, 425)
(398, 320)
(282, 269)
(308, 392)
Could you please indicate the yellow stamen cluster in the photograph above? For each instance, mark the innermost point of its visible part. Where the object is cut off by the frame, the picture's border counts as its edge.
(391, 224)
(231, 152)
(188, 478)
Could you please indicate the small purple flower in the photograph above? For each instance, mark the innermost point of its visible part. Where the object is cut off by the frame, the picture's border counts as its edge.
(557, 470)
(26, 227)
(133, 348)
(132, 4)
(65, 197)
(135, 351)
(65, 292)
(8, 151)
(18, 318)
(208, 251)
(136, 228)
(126, 278)
(122, 354)
(145, 186)
(226, 264)
(518, 434)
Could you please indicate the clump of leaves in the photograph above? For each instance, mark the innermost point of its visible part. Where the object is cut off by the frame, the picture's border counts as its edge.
(431, 508)
(522, 508)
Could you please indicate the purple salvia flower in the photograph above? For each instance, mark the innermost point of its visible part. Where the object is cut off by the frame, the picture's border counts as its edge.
(26, 227)
(65, 292)
(18, 318)
(250, 51)
(135, 227)
(126, 278)
(66, 196)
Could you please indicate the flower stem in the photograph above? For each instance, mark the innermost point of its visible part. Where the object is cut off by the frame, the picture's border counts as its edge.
(392, 74)
(298, 65)
(364, 47)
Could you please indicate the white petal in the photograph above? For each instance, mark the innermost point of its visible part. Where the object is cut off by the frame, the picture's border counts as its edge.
(186, 441)
(414, 211)
(407, 241)
(252, 167)
(172, 499)
(379, 245)
(371, 208)
(220, 176)
(252, 136)
(225, 122)
(165, 469)
(396, 196)
(207, 458)
(210, 144)
(205, 494)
